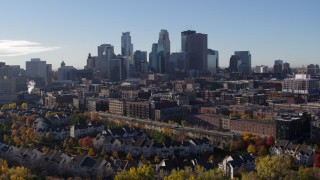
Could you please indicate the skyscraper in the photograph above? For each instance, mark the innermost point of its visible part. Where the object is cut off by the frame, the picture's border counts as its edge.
(213, 61)
(153, 58)
(105, 53)
(37, 70)
(118, 69)
(126, 46)
(277, 67)
(245, 58)
(164, 45)
(196, 46)
(234, 63)
(139, 58)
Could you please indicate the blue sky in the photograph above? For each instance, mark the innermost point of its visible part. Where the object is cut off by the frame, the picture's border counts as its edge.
(69, 30)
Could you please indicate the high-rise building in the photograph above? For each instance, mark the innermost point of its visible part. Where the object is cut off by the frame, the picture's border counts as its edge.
(261, 69)
(313, 69)
(105, 53)
(286, 68)
(153, 57)
(66, 72)
(92, 62)
(245, 59)
(195, 45)
(177, 62)
(277, 67)
(234, 63)
(157, 59)
(164, 45)
(139, 58)
(213, 61)
(9, 71)
(127, 47)
(118, 69)
(37, 70)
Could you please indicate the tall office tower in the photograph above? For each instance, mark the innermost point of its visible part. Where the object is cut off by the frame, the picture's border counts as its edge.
(105, 53)
(234, 63)
(139, 58)
(313, 69)
(157, 59)
(177, 62)
(196, 46)
(118, 69)
(49, 73)
(213, 61)
(127, 46)
(164, 45)
(277, 67)
(37, 70)
(245, 58)
(9, 71)
(127, 52)
(261, 69)
(286, 68)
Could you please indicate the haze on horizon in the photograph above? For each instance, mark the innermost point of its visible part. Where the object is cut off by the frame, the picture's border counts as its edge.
(69, 30)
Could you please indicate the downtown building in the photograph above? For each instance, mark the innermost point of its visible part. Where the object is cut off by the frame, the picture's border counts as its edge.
(160, 54)
(213, 61)
(39, 71)
(302, 85)
(195, 45)
(105, 53)
(240, 62)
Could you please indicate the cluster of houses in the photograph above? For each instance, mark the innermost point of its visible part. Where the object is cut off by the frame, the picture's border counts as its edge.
(59, 163)
(135, 141)
(303, 155)
(62, 164)
(43, 126)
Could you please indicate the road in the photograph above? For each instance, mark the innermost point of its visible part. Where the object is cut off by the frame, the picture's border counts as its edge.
(170, 126)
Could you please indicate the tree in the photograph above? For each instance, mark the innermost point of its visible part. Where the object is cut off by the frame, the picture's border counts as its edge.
(145, 172)
(316, 160)
(274, 167)
(270, 141)
(18, 172)
(305, 173)
(252, 149)
(143, 159)
(45, 150)
(91, 152)
(262, 150)
(115, 155)
(85, 142)
(157, 159)
(95, 117)
(24, 105)
(129, 156)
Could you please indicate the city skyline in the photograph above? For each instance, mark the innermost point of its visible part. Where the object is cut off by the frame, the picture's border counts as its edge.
(56, 31)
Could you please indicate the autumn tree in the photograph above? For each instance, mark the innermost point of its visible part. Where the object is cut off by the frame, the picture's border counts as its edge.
(316, 160)
(273, 167)
(91, 152)
(115, 155)
(270, 141)
(252, 149)
(145, 172)
(129, 156)
(262, 150)
(157, 159)
(85, 142)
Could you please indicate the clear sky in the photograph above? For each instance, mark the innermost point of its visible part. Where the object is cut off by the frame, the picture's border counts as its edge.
(70, 29)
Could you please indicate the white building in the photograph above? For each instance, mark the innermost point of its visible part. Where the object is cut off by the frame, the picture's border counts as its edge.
(301, 84)
(261, 69)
